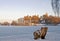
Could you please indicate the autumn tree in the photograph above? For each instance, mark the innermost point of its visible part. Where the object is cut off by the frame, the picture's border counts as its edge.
(35, 19)
(27, 17)
(14, 23)
(45, 17)
(5, 23)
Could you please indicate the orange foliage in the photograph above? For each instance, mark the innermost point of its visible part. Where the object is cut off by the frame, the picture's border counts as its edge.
(33, 19)
(51, 19)
(27, 17)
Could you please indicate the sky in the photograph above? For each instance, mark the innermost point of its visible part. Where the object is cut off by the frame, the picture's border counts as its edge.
(13, 9)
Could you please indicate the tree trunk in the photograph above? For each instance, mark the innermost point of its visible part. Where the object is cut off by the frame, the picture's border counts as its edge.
(43, 32)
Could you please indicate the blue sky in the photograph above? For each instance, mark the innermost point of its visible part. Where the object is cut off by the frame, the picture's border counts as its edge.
(13, 9)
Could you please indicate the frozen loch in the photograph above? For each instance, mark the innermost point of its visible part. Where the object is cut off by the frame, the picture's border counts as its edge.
(25, 33)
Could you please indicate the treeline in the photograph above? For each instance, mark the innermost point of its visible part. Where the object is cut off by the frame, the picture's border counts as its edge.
(51, 19)
(35, 19)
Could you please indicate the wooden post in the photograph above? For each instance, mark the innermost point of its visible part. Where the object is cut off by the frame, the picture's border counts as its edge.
(43, 32)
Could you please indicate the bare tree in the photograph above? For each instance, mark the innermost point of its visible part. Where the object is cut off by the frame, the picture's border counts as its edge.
(56, 7)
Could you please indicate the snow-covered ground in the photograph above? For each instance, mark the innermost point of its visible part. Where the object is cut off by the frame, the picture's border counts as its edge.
(25, 33)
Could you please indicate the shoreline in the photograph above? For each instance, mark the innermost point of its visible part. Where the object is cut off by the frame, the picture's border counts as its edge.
(32, 25)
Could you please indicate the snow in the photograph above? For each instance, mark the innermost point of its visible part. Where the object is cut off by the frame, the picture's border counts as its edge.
(25, 33)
